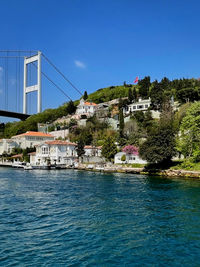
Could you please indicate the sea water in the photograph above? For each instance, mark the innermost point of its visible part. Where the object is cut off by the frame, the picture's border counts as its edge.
(76, 218)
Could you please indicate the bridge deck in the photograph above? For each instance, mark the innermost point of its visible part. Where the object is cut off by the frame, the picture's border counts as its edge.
(10, 114)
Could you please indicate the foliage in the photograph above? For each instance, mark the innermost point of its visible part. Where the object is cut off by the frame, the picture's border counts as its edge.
(156, 95)
(80, 148)
(71, 108)
(110, 93)
(188, 142)
(144, 85)
(85, 96)
(121, 123)
(130, 149)
(130, 95)
(159, 146)
(49, 115)
(123, 158)
(109, 148)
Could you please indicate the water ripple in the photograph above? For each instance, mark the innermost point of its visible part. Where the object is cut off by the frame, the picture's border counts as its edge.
(71, 218)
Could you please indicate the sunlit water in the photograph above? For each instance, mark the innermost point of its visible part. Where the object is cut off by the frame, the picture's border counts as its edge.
(73, 218)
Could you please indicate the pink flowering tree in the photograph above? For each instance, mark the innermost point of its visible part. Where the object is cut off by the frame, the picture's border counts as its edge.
(129, 149)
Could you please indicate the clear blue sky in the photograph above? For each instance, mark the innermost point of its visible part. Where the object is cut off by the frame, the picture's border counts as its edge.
(98, 43)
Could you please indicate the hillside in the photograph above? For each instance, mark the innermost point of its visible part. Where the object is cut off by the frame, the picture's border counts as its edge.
(181, 90)
(110, 93)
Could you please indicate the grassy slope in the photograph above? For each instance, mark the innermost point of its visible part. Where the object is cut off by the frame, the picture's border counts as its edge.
(109, 93)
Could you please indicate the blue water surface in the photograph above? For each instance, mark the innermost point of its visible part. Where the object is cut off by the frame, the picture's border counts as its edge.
(75, 218)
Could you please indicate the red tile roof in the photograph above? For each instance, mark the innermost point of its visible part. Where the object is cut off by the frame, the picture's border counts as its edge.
(60, 142)
(30, 133)
(17, 156)
(90, 104)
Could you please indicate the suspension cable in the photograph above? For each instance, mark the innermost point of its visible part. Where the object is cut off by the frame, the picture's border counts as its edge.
(61, 90)
(62, 74)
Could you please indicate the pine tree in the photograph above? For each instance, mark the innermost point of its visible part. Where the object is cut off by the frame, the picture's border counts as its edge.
(121, 123)
(134, 95)
(144, 85)
(85, 96)
(80, 148)
(71, 108)
(130, 95)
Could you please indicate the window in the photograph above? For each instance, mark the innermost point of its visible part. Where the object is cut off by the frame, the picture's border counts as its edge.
(134, 107)
(140, 106)
(45, 150)
(146, 106)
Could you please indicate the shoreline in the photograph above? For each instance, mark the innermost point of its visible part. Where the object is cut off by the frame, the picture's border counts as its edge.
(120, 169)
(166, 173)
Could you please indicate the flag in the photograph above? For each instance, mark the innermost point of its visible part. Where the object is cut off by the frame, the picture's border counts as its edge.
(136, 79)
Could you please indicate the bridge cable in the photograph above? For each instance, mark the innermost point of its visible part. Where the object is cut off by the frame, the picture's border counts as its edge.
(16, 80)
(62, 75)
(61, 90)
(19, 81)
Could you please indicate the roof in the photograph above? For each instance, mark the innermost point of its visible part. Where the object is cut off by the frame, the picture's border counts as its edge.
(17, 156)
(90, 104)
(30, 133)
(31, 153)
(60, 142)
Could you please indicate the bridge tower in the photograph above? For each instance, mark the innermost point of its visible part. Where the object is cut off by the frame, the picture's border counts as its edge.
(35, 87)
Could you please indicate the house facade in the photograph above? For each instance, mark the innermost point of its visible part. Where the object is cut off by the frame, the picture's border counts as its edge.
(140, 105)
(92, 151)
(54, 152)
(124, 158)
(31, 139)
(7, 145)
(86, 108)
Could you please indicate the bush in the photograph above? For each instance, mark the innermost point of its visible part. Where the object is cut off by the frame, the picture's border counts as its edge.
(123, 158)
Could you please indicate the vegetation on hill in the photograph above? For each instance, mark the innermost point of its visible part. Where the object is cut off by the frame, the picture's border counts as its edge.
(47, 116)
(159, 140)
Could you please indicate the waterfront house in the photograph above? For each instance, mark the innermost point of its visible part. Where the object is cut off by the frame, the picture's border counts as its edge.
(92, 155)
(55, 152)
(92, 151)
(124, 158)
(31, 139)
(86, 108)
(7, 145)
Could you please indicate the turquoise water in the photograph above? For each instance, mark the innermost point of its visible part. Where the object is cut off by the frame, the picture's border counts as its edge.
(72, 218)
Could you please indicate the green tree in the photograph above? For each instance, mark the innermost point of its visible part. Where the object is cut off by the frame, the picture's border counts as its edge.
(80, 148)
(109, 148)
(159, 146)
(188, 141)
(71, 108)
(156, 95)
(121, 123)
(144, 85)
(134, 94)
(130, 95)
(85, 96)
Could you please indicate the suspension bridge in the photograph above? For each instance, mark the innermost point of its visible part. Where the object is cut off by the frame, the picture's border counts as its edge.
(21, 82)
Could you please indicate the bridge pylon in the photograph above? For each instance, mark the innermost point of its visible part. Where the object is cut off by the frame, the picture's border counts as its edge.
(35, 87)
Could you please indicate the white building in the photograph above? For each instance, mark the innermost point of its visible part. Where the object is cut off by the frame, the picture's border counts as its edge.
(129, 158)
(92, 151)
(7, 145)
(141, 105)
(86, 108)
(55, 152)
(31, 139)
